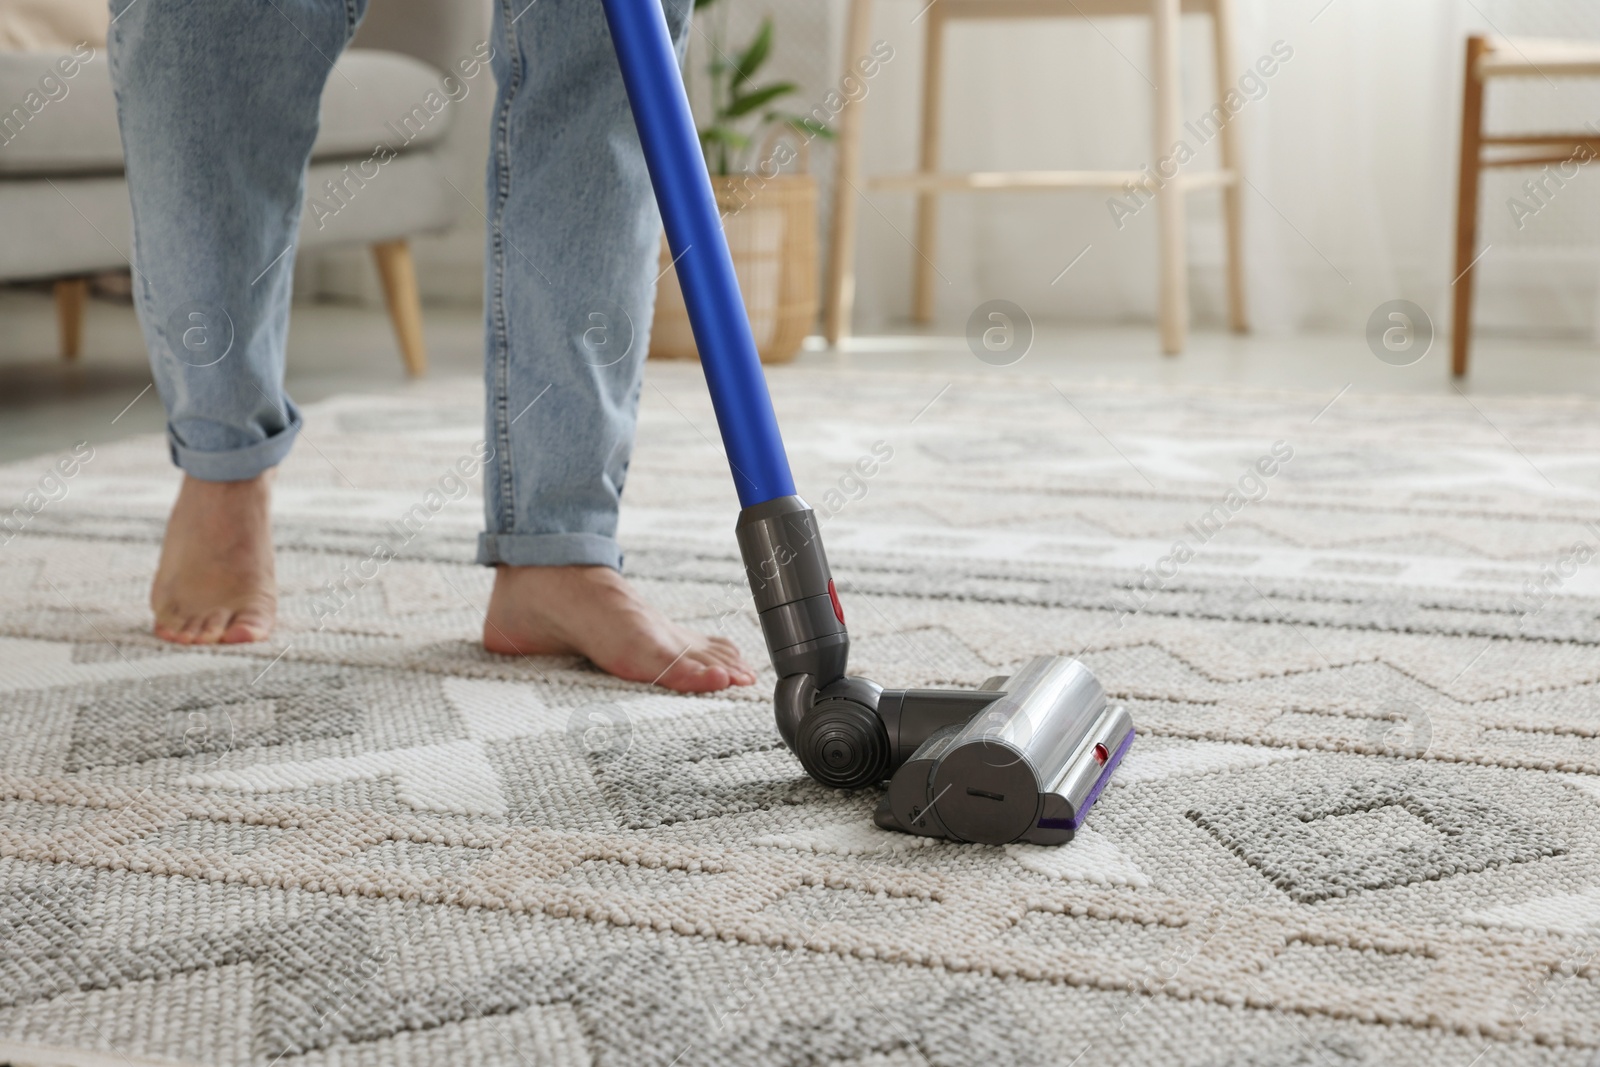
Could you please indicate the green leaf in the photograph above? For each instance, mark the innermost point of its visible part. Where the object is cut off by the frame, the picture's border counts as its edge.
(721, 135)
(801, 124)
(698, 4)
(748, 102)
(755, 55)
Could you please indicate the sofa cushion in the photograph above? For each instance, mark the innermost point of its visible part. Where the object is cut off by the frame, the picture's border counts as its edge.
(58, 115)
(81, 224)
(52, 25)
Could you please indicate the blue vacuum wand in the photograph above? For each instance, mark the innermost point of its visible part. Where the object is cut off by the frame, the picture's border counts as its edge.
(1021, 759)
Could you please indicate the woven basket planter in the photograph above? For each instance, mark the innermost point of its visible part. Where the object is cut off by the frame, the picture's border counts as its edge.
(771, 225)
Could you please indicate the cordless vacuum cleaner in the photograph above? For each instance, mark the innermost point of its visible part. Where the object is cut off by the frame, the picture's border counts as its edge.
(1021, 759)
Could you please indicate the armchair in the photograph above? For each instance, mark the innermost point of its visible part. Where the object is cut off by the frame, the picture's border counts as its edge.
(64, 202)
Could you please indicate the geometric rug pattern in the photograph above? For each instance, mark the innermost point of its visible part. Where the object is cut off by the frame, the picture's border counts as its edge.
(1360, 824)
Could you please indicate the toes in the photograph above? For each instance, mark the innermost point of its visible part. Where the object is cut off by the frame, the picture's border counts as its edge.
(219, 625)
(247, 626)
(242, 634)
(709, 653)
(189, 632)
(169, 630)
(693, 676)
(728, 661)
(208, 628)
(726, 654)
(739, 672)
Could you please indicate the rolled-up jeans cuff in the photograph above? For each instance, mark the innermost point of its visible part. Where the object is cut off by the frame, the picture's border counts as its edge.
(236, 464)
(549, 550)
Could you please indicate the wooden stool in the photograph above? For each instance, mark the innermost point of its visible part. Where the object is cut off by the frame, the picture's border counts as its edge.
(1504, 57)
(928, 182)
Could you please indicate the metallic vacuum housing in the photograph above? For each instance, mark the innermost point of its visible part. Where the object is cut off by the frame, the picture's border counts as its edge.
(1025, 768)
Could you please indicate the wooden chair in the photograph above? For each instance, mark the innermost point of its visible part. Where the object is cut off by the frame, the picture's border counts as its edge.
(928, 182)
(1504, 57)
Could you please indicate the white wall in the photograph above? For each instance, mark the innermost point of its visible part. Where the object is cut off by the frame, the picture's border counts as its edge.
(1351, 153)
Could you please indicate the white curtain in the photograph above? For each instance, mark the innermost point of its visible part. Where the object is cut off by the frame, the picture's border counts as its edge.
(1350, 152)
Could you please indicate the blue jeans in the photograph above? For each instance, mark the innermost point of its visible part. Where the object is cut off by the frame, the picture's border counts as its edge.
(218, 102)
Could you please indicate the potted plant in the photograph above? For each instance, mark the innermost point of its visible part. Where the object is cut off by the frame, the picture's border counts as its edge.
(757, 152)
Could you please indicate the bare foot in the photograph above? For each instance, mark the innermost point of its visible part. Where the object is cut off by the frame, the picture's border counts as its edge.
(215, 582)
(594, 612)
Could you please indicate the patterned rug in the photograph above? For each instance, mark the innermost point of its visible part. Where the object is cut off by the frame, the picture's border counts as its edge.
(1361, 824)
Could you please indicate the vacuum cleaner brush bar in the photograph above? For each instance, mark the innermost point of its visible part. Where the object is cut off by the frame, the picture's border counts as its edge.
(1021, 759)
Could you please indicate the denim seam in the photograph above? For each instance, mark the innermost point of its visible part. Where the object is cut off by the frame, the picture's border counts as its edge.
(144, 298)
(506, 512)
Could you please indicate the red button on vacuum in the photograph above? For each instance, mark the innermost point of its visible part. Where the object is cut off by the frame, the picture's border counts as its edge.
(839, 611)
(1101, 755)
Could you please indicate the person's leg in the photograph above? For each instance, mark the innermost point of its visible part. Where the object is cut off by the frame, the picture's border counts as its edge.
(571, 262)
(218, 102)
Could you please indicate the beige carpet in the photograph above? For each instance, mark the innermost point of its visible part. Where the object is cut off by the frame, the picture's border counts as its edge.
(1359, 826)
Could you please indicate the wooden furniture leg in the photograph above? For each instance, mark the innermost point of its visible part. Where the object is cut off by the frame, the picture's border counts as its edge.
(1467, 206)
(847, 173)
(928, 161)
(1222, 24)
(1174, 289)
(71, 294)
(399, 275)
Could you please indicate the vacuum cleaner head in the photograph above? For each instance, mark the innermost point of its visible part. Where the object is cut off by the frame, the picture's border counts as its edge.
(1021, 759)
(1025, 768)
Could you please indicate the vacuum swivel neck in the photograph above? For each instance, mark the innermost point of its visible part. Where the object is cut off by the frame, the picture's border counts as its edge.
(826, 718)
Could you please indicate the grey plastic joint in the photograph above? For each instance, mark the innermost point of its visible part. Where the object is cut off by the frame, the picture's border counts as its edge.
(782, 551)
(788, 574)
(800, 621)
(835, 731)
(792, 699)
(911, 716)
